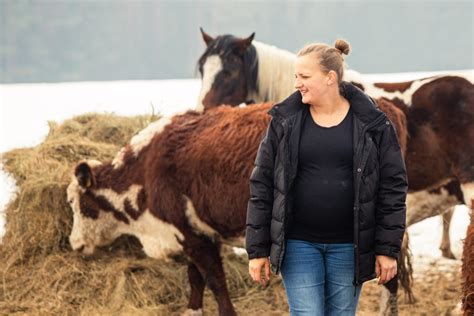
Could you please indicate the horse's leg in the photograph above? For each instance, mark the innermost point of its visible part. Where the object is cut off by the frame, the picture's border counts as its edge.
(388, 295)
(388, 298)
(445, 245)
(204, 253)
(197, 291)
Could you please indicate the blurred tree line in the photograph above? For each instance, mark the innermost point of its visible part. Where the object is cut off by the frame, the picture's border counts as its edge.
(49, 41)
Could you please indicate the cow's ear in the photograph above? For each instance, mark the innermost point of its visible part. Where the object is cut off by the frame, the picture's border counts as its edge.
(84, 175)
(206, 37)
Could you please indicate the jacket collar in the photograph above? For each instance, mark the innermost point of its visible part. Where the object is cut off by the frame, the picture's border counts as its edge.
(363, 106)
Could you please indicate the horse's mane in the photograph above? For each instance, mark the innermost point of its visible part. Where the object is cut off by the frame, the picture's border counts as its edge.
(274, 66)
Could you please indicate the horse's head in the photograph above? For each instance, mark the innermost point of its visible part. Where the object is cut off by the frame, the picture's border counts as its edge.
(95, 222)
(228, 70)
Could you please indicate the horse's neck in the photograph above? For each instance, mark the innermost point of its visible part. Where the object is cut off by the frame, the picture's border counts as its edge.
(275, 73)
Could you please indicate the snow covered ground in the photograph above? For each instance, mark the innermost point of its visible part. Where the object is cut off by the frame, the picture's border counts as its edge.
(26, 108)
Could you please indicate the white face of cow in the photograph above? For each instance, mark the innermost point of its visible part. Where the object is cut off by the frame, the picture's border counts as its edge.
(92, 226)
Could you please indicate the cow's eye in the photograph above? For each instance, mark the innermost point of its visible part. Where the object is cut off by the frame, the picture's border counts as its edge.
(70, 201)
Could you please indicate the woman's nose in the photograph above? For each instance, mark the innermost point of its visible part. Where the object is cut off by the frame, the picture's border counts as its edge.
(297, 84)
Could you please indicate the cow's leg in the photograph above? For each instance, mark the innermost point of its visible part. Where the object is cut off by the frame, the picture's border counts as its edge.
(204, 253)
(454, 189)
(200, 249)
(197, 291)
(445, 245)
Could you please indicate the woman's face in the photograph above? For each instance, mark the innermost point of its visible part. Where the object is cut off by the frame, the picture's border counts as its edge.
(309, 79)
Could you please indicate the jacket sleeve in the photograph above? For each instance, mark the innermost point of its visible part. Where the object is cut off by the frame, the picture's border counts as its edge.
(390, 212)
(259, 209)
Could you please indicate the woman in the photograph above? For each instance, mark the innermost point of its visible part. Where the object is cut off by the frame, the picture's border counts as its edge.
(328, 190)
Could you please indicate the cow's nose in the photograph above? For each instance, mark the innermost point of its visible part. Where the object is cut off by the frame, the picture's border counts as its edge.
(80, 249)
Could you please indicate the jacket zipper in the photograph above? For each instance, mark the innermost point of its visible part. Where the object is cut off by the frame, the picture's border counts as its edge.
(286, 170)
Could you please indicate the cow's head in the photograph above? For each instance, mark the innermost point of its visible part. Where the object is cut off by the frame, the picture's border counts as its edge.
(94, 224)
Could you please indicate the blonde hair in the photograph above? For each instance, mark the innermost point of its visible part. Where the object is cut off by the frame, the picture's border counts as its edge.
(330, 58)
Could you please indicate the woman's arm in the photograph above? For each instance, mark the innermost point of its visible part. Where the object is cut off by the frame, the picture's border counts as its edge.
(390, 212)
(259, 210)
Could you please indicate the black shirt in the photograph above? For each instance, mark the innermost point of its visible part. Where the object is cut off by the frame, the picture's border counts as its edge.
(324, 183)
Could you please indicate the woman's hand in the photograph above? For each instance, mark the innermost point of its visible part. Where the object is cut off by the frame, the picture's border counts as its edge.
(255, 268)
(385, 268)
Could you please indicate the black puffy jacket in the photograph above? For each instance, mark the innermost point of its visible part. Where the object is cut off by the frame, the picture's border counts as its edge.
(380, 184)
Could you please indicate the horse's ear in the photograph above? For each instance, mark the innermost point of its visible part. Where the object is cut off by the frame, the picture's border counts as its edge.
(84, 175)
(206, 37)
(243, 44)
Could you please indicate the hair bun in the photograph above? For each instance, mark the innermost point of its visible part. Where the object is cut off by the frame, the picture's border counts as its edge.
(342, 46)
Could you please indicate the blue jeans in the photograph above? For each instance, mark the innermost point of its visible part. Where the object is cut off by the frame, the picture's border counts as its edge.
(318, 278)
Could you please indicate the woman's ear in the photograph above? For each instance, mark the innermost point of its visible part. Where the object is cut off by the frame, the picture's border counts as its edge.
(332, 77)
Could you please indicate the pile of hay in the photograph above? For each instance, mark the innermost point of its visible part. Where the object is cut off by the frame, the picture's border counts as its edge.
(39, 272)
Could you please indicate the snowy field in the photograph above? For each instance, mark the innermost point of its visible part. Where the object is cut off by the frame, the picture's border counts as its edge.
(26, 109)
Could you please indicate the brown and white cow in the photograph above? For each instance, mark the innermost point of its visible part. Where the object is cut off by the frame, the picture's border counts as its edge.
(440, 116)
(180, 185)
